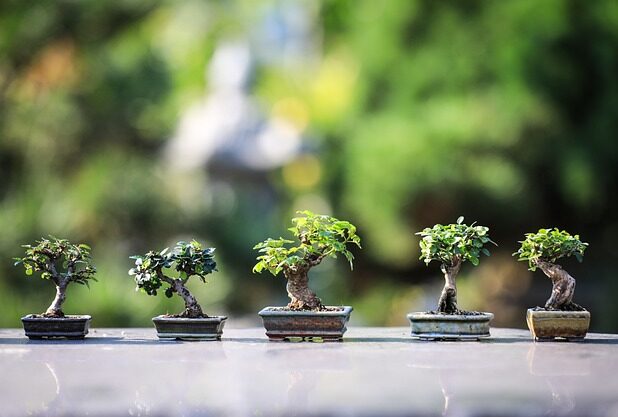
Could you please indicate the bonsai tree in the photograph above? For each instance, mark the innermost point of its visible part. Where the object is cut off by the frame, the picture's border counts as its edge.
(542, 250)
(187, 259)
(451, 245)
(319, 236)
(61, 262)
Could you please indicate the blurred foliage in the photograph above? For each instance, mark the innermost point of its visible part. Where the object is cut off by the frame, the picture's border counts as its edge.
(414, 111)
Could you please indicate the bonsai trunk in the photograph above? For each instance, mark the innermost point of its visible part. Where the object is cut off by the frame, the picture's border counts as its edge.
(448, 299)
(55, 308)
(302, 298)
(563, 287)
(192, 308)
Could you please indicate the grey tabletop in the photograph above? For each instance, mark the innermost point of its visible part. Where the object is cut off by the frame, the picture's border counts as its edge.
(373, 372)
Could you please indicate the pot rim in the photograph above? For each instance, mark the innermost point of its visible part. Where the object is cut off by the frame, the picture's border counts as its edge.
(424, 316)
(210, 319)
(70, 317)
(557, 313)
(268, 311)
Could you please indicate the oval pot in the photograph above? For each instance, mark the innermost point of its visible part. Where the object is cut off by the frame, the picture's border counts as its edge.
(307, 325)
(450, 326)
(69, 327)
(210, 328)
(549, 325)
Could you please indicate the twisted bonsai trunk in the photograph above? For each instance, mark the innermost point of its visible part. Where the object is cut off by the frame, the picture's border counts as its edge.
(55, 308)
(563, 287)
(448, 298)
(192, 309)
(302, 298)
(61, 283)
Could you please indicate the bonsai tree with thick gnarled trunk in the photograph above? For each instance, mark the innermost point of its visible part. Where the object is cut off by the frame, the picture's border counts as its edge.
(452, 245)
(542, 250)
(319, 236)
(61, 262)
(187, 259)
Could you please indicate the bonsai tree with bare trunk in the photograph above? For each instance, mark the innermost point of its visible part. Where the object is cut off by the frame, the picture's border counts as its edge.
(152, 271)
(60, 262)
(451, 245)
(319, 237)
(542, 250)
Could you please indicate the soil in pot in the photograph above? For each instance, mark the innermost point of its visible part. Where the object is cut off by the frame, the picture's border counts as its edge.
(467, 325)
(285, 324)
(37, 326)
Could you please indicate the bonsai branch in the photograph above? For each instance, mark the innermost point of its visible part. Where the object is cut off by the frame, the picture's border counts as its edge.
(563, 287)
(448, 298)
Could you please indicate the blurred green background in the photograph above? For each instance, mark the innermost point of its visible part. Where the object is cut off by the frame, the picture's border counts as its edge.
(130, 125)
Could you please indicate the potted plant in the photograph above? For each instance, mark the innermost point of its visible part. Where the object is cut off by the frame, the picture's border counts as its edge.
(306, 317)
(560, 317)
(62, 263)
(152, 271)
(451, 245)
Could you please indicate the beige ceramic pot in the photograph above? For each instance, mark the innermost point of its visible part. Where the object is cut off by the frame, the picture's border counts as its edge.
(549, 325)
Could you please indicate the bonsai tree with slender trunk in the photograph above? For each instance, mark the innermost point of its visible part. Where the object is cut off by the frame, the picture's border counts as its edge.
(152, 271)
(60, 262)
(319, 237)
(451, 245)
(542, 250)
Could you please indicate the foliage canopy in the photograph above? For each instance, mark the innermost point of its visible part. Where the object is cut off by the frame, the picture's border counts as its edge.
(58, 260)
(187, 259)
(549, 245)
(319, 236)
(449, 243)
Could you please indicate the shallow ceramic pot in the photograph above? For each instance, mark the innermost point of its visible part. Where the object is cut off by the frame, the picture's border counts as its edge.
(209, 328)
(450, 326)
(69, 327)
(549, 325)
(306, 325)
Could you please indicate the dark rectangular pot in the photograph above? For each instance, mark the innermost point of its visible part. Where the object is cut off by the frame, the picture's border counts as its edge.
(69, 327)
(210, 328)
(450, 326)
(549, 325)
(289, 325)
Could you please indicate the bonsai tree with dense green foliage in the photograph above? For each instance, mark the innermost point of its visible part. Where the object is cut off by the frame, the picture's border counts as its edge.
(319, 236)
(61, 262)
(542, 250)
(451, 245)
(187, 260)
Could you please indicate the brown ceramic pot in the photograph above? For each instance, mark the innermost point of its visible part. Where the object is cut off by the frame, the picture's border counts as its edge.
(548, 325)
(283, 324)
(69, 327)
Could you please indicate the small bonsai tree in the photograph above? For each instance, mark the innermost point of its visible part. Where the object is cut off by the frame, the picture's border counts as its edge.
(61, 262)
(319, 236)
(451, 245)
(187, 259)
(542, 250)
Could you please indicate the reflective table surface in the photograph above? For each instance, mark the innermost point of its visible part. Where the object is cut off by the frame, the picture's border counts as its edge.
(373, 372)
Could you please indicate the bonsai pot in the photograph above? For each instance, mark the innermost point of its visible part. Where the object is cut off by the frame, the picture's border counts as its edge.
(208, 328)
(547, 325)
(432, 326)
(70, 327)
(282, 324)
